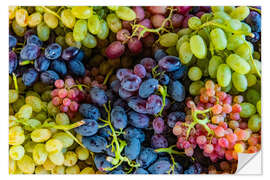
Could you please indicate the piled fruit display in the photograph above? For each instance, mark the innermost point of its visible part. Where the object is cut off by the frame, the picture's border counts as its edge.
(133, 90)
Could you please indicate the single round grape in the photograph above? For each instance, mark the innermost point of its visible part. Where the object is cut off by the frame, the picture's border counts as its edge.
(89, 128)
(16, 152)
(40, 135)
(50, 19)
(154, 104)
(59, 66)
(185, 53)
(26, 164)
(240, 13)
(66, 140)
(115, 50)
(82, 12)
(67, 18)
(194, 22)
(30, 52)
(95, 143)
(160, 167)
(148, 87)
(254, 123)
(135, 45)
(104, 32)
(247, 110)
(238, 64)
(89, 41)
(168, 39)
(53, 51)
(80, 30)
(43, 31)
(118, 117)
(131, 83)
(40, 154)
(114, 22)
(21, 16)
(224, 75)
(194, 73)
(70, 158)
(176, 90)
(218, 38)
(57, 158)
(125, 13)
(132, 149)
(138, 120)
(48, 77)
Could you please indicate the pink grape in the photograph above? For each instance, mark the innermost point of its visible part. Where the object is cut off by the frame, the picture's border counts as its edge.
(189, 151)
(122, 35)
(201, 140)
(54, 92)
(147, 23)
(183, 9)
(208, 148)
(219, 131)
(139, 70)
(56, 101)
(139, 12)
(135, 45)
(59, 83)
(127, 25)
(157, 9)
(177, 20)
(63, 108)
(115, 50)
(74, 106)
(66, 102)
(62, 93)
(231, 137)
(223, 142)
(157, 20)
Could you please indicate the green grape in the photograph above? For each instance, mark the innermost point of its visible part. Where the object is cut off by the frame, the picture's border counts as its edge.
(251, 79)
(41, 170)
(34, 102)
(254, 66)
(34, 19)
(218, 38)
(33, 124)
(25, 112)
(40, 135)
(254, 123)
(32, 93)
(256, 55)
(222, 15)
(113, 8)
(82, 153)
(89, 41)
(73, 170)
(26, 164)
(229, 9)
(238, 64)
(66, 139)
(40, 154)
(244, 50)
(184, 31)
(194, 23)
(185, 53)
(214, 62)
(194, 88)
(245, 27)
(62, 119)
(16, 135)
(258, 105)
(180, 41)
(234, 24)
(52, 110)
(51, 20)
(43, 31)
(53, 145)
(206, 17)
(217, 8)
(82, 12)
(240, 13)
(18, 30)
(13, 95)
(125, 13)
(252, 96)
(172, 51)
(39, 9)
(198, 46)
(205, 34)
(12, 121)
(57, 158)
(239, 81)
(16, 152)
(194, 73)
(227, 88)
(70, 40)
(104, 31)
(58, 170)
(80, 30)
(94, 25)
(67, 18)
(247, 110)
(234, 41)
(70, 158)
(168, 39)
(46, 96)
(114, 22)
(88, 170)
(41, 116)
(224, 75)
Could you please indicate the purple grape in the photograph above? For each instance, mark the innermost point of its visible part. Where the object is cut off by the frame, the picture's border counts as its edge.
(30, 76)
(120, 102)
(137, 104)
(124, 94)
(29, 52)
(139, 70)
(89, 128)
(138, 120)
(132, 149)
(147, 157)
(98, 96)
(159, 54)
(12, 41)
(122, 35)
(48, 77)
(101, 162)
(118, 117)
(132, 132)
(33, 39)
(158, 125)
(115, 50)
(160, 167)
(115, 85)
(169, 63)
(131, 83)
(53, 51)
(176, 91)
(59, 66)
(135, 45)
(139, 12)
(121, 73)
(173, 117)
(148, 63)
(76, 67)
(96, 144)
(154, 104)
(254, 20)
(159, 141)
(13, 62)
(70, 53)
(42, 64)
(29, 32)
(148, 87)
(89, 111)
(177, 20)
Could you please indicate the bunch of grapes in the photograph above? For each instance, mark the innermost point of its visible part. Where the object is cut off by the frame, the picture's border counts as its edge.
(218, 124)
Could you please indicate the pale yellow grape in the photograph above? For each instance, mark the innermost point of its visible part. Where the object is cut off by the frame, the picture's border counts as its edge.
(206, 17)
(66, 139)
(48, 165)
(68, 18)
(16, 135)
(25, 112)
(194, 88)
(26, 164)
(222, 15)
(88, 170)
(12, 166)
(53, 110)
(217, 8)
(33, 124)
(240, 13)
(114, 22)
(73, 170)
(82, 153)
(255, 65)
(180, 41)
(58, 170)
(62, 119)
(94, 25)
(53, 130)
(198, 46)
(125, 13)
(185, 53)
(18, 30)
(239, 82)
(82, 12)
(34, 19)
(229, 9)
(40, 154)
(184, 31)
(251, 79)
(89, 41)
(234, 24)
(168, 39)
(224, 75)
(214, 62)
(12, 11)
(194, 73)
(12, 121)
(40, 135)
(245, 27)
(238, 64)
(80, 30)
(71, 42)
(13, 95)
(113, 8)
(53, 145)
(29, 146)
(41, 170)
(218, 39)
(16, 152)
(57, 158)
(21, 17)
(245, 50)
(34, 102)
(234, 41)
(70, 158)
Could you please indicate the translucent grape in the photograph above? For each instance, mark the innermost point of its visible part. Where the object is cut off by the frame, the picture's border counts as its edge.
(104, 32)
(53, 146)
(73, 170)
(194, 22)
(34, 19)
(51, 20)
(66, 139)
(70, 158)
(239, 81)
(26, 164)
(218, 38)
(240, 13)
(125, 13)
(82, 153)
(40, 135)
(185, 53)
(194, 73)
(254, 123)
(94, 25)
(40, 154)
(21, 17)
(224, 75)
(168, 39)
(198, 46)
(16, 152)
(57, 158)
(18, 30)
(68, 18)
(238, 64)
(114, 23)
(80, 30)
(43, 32)
(58, 170)
(244, 50)
(234, 41)
(82, 12)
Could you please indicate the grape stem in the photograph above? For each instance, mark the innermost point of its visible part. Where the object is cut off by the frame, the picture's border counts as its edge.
(50, 11)
(23, 63)
(63, 127)
(163, 92)
(15, 82)
(255, 9)
(107, 77)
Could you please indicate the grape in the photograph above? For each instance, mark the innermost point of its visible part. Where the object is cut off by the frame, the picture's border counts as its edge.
(139, 11)
(16, 135)
(34, 102)
(41, 170)
(159, 54)
(114, 22)
(132, 149)
(125, 13)
(89, 128)
(98, 96)
(218, 38)
(198, 46)
(176, 90)
(118, 117)
(67, 18)
(157, 9)
(168, 39)
(238, 64)
(57, 158)
(141, 171)
(157, 20)
(148, 87)
(244, 50)
(18, 30)
(51, 20)
(33, 39)
(16, 152)
(89, 111)
(194, 22)
(13, 62)
(185, 53)
(40, 135)
(194, 73)
(42, 64)
(124, 94)
(95, 143)
(89, 41)
(154, 104)
(164, 79)
(135, 45)
(214, 62)
(177, 20)
(131, 132)
(194, 88)
(254, 20)
(94, 25)
(169, 63)
(82, 12)
(53, 51)
(29, 52)
(254, 123)
(58, 170)
(117, 172)
(76, 67)
(158, 125)
(43, 31)
(26, 164)
(138, 120)
(122, 35)
(80, 30)
(146, 23)
(173, 117)
(131, 83)
(121, 73)
(137, 104)
(48, 77)
(101, 162)
(21, 16)
(82, 153)
(247, 110)
(12, 41)
(224, 75)
(39, 154)
(146, 157)
(104, 32)
(70, 53)
(59, 66)
(240, 13)
(159, 141)
(139, 70)
(115, 50)
(69, 40)
(66, 140)
(160, 167)
(239, 81)
(30, 76)
(70, 158)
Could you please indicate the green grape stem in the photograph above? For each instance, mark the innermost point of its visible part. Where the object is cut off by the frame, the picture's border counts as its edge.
(107, 76)
(75, 139)
(23, 63)
(15, 82)
(63, 127)
(255, 9)
(50, 11)
(163, 92)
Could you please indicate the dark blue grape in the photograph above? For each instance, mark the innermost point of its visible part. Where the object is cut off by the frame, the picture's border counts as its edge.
(180, 73)
(138, 120)
(12, 41)
(159, 141)
(148, 87)
(132, 132)
(105, 132)
(117, 172)
(98, 96)
(95, 143)
(118, 117)
(80, 55)
(53, 51)
(153, 104)
(140, 171)
(176, 91)
(101, 162)
(147, 157)
(13, 62)
(159, 54)
(254, 20)
(42, 64)
(111, 96)
(194, 169)
(120, 102)
(148, 75)
(30, 76)
(160, 167)
(29, 52)
(70, 53)
(132, 149)
(48, 77)
(115, 85)
(34, 39)
(89, 111)
(76, 67)
(131, 83)
(89, 128)
(137, 104)
(158, 125)
(173, 117)
(169, 63)
(164, 79)
(59, 66)
(178, 169)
